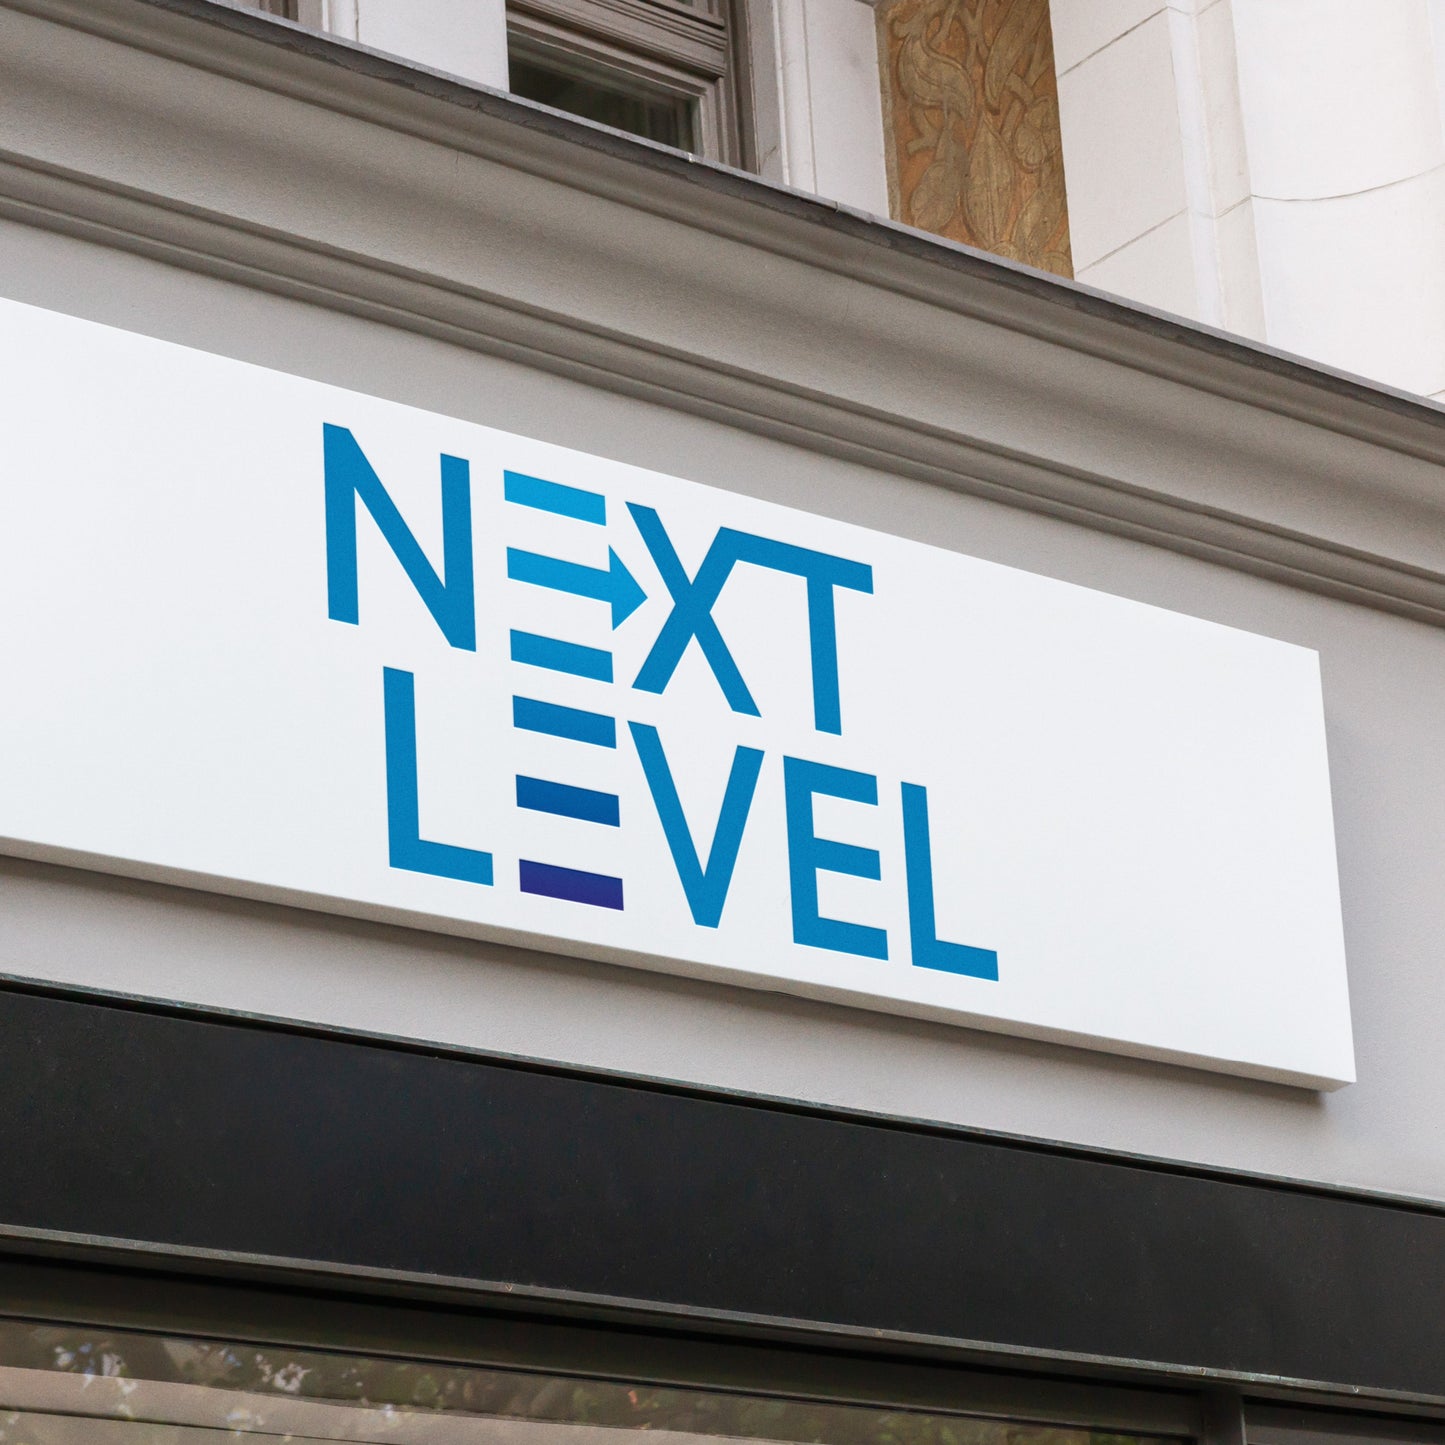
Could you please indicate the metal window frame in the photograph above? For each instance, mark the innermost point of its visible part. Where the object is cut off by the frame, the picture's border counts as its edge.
(656, 48)
(223, 1306)
(84, 1288)
(1280, 1421)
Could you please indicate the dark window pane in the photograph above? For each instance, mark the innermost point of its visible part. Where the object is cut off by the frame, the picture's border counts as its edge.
(664, 119)
(64, 1385)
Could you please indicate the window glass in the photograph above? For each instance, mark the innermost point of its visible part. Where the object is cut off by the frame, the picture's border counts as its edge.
(664, 120)
(61, 1385)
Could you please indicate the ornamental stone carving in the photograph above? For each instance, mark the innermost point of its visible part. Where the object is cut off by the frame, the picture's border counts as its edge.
(975, 152)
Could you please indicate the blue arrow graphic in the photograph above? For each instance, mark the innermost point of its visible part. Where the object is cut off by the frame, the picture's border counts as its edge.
(613, 584)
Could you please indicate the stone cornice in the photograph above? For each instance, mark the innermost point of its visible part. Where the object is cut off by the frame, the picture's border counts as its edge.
(425, 203)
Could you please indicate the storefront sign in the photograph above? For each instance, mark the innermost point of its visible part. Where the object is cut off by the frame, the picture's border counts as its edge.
(271, 637)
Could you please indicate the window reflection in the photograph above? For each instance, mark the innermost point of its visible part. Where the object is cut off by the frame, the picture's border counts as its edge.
(69, 1386)
(666, 120)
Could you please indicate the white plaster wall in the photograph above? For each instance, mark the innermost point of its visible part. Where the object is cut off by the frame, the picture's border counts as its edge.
(1342, 110)
(1120, 121)
(818, 99)
(1356, 281)
(466, 38)
(1272, 167)
(1154, 156)
(1216, 166)
(1338, 98)
(1437, 30)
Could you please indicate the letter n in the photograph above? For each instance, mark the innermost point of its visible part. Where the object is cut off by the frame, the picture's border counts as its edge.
(450, 598)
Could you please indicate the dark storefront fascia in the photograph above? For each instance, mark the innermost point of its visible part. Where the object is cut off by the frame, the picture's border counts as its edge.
(498, 1211)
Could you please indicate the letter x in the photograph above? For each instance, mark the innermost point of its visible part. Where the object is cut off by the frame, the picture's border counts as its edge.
(691, 616)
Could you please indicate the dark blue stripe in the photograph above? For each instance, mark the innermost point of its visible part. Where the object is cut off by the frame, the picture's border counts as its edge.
(562, 501)
(568, 802)
(534, 716)
(572, 657)
(549, 881)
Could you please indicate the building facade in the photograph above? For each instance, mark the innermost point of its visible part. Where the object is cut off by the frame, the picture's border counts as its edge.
(297, 1155)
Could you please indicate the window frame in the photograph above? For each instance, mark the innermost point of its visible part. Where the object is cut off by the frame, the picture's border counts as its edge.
(656, 49)
(69, 1285)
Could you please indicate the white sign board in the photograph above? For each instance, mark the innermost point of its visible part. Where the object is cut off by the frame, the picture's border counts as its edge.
(275, 638)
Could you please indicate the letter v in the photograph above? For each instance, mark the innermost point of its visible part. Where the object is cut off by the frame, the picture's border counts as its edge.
(706, 885)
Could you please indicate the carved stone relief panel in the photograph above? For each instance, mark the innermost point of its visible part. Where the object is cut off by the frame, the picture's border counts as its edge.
(975, 153)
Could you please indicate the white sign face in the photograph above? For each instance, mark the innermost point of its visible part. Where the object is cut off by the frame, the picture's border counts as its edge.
(276, 638)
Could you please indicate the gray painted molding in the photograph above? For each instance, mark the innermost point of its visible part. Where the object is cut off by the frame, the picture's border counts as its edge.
(241, 147)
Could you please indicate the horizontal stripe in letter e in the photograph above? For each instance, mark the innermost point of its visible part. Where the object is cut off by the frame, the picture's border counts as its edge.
(586, 804)
(557, 656)
(535, 716)
(571, 884)
(561, 501)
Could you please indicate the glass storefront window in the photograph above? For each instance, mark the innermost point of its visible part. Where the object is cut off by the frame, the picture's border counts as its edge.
(63, 1385)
